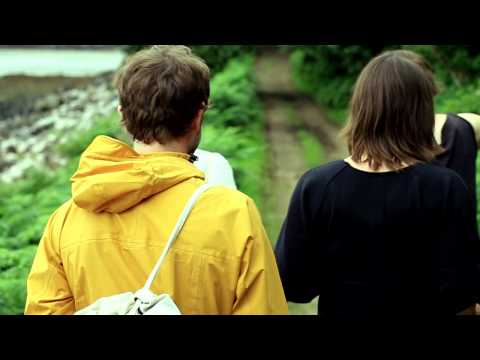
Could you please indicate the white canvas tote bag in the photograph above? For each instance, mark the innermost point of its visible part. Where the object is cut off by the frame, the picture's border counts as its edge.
(144, 302)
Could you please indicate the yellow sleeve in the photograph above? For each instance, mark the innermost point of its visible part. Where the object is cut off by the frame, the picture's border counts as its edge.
(259, 288)
(48, 292)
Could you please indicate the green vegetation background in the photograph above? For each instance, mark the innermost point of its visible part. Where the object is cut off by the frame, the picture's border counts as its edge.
(234, 127)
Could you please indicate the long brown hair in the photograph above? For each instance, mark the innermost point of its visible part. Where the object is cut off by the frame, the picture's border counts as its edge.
(423, 63)
(392, 114)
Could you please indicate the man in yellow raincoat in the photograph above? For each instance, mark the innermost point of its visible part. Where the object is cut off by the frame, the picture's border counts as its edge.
(107, 238)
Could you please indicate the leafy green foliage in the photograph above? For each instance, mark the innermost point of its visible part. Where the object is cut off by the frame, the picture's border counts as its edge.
(454, 65)
(26, 205)
(328, 72)
(462, 62)
(216, 56)
(314, 153)
(234, 125)
(14, 268)
(245, 150)
(234, 96)
(460, 99)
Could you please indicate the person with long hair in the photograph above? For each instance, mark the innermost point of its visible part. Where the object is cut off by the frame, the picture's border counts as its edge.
(459, 136)
(457, 133)
(385, 231)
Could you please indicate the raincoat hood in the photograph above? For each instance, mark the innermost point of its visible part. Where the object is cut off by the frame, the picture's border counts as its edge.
(112, 177)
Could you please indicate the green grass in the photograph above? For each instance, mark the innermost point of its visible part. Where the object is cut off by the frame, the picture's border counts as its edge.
(459, 99)
(269, 209)
(292, 116)
(253, 165)
(313, 151)
(271, 218)
(314, 155)
(14, 269)
(337, 116)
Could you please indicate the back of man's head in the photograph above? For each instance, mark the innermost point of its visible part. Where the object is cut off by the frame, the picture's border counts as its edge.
(161, 90)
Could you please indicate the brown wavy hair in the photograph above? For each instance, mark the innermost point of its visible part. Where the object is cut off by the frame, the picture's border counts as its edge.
(392, 115)
(423, 63)
(161, 90)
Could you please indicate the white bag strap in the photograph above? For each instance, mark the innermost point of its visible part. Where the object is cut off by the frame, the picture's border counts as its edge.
(176, 230)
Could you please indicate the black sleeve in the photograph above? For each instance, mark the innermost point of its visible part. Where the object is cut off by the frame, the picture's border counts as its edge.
(459, 255)
(295, 251)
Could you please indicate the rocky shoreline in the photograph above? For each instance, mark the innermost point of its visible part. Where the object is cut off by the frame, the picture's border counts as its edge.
(22, 95)
(27, 137)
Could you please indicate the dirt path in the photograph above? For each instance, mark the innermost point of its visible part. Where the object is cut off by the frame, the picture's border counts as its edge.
(287, 112)
(286, 163)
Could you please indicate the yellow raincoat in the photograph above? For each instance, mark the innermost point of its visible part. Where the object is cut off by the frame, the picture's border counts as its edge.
(106, 240)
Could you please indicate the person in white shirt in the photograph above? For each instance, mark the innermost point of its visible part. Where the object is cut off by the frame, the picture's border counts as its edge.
(216, 168)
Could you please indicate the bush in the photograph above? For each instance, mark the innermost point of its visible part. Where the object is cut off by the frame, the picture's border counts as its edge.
(245, 151)
(454, 65)
(460, 99)
(234, 126)
(216, 56)
(14, 269)
(461, 61)
(234, 96)
(26, 210)
(328, 72)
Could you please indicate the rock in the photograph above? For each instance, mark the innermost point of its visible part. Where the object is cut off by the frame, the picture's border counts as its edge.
(28, 140)
(47, 103)
(10, 157)
(22, 147)
(17, 170)
(43, 124)
(8, 143)
(65, 124)
(39, 147)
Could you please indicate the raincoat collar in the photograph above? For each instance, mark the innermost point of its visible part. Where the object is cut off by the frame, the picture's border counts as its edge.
(112, 177)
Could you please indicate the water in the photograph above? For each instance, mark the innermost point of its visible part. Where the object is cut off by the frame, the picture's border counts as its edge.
(50, 62)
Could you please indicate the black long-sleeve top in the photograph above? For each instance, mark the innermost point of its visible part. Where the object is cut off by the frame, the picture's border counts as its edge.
(458, 140)
(380, 244)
